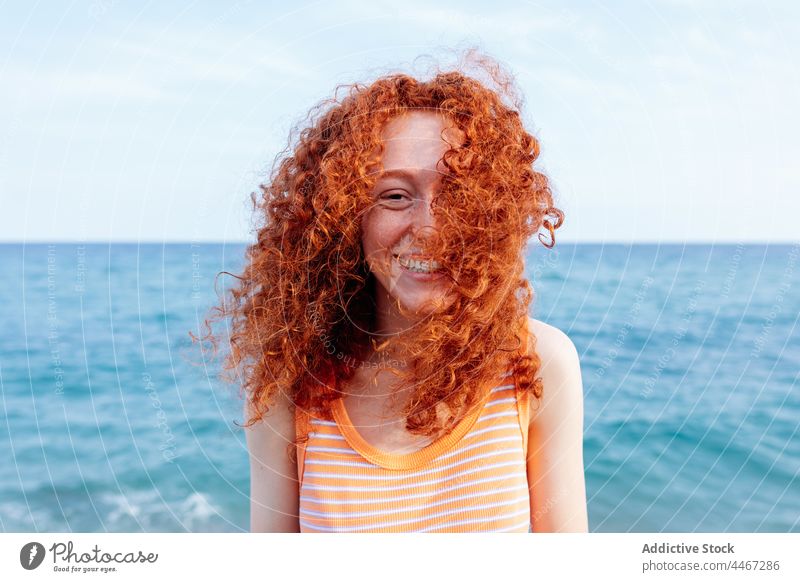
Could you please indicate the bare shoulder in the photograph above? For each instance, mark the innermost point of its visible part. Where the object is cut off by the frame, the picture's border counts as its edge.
(552, 344)
(560, 371)
(278, 421)
(273, 472)
(555, 437)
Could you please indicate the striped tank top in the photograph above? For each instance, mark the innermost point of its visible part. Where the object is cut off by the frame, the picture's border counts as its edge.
(473, 479)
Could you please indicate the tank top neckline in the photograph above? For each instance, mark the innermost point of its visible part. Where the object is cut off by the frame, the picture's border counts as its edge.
(414, 459)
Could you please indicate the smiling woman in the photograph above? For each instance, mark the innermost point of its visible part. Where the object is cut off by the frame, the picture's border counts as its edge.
(382, 324)
(410, 177)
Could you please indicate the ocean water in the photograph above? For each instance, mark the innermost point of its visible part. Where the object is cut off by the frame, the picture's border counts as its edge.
(111, 421)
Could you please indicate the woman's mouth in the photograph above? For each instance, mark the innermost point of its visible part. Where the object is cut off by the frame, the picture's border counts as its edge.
(418, 265)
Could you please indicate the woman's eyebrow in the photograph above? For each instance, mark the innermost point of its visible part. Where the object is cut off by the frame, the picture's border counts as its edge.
(403, 174)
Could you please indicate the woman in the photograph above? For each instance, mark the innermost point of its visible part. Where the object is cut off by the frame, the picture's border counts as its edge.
(382, 323)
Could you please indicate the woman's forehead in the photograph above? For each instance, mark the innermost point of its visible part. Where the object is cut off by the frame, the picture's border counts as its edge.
(422, 126)
(418, 140)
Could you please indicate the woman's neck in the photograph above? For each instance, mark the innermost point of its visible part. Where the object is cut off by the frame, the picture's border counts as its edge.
(389, 322)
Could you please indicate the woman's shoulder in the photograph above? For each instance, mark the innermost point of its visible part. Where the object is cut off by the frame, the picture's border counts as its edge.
(559, 370)
(549, 340)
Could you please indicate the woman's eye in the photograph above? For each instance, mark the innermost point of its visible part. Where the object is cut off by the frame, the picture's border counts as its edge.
(396, 199)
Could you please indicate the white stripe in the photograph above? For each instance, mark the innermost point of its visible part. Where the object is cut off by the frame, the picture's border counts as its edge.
(384, 501)
(503, 388)
(322, 435)
(491, 428)
(501, 401)
(425, 518)
(410, 485)
(323, 422)
(417, 473)
(497, 415)
(516, 438)
(478, 520)
(426, 506)
(362, 464)
(520, 476)
(346, 451)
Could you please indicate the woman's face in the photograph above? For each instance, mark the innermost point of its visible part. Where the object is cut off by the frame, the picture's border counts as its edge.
(401, 218)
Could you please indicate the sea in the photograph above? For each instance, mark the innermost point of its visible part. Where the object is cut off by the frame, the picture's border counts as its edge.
(114, 421)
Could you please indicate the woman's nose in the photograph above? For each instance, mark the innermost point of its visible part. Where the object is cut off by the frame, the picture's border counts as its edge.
(424, 216)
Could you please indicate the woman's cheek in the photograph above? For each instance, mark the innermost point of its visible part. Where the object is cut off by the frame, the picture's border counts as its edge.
(373, 242)
(384, 229)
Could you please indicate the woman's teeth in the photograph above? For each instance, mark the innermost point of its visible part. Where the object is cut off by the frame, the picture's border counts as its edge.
(419, 266)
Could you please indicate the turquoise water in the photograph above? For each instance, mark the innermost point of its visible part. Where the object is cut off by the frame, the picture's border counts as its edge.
(690, 359)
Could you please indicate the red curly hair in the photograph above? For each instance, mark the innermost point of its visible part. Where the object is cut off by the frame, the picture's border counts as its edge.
(304, 304)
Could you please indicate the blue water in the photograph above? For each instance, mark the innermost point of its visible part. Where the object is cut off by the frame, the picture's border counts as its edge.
(690, 359)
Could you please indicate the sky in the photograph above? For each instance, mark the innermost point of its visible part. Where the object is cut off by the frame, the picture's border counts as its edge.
(659, 121)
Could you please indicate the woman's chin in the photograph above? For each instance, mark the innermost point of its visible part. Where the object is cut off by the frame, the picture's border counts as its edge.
(427, 306)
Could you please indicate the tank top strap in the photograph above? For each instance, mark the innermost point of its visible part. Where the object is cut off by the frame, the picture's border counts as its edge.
(523, 409)
(302, 428)
(523, 397)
